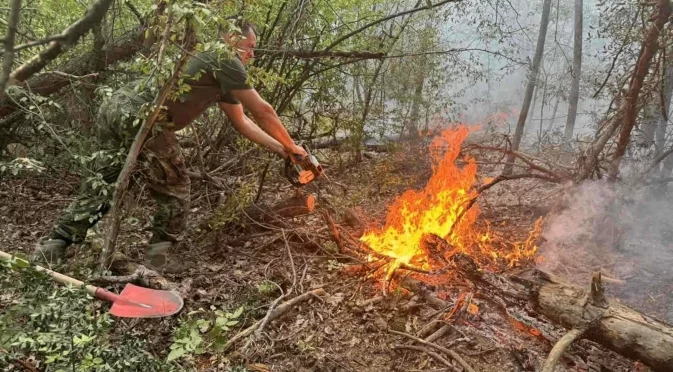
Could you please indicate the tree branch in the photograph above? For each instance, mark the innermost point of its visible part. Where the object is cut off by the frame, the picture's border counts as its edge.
(308, 54)
(381, 20)
(70, 35)
(35, 43)
(135, 11)
(8, 55)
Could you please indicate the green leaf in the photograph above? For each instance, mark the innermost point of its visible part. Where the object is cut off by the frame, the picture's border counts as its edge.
(237, 313)
(175, 354)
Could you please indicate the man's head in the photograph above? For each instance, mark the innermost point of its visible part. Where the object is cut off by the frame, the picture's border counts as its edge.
(244, 42)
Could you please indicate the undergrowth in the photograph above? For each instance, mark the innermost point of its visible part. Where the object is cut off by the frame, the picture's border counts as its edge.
(60, 328)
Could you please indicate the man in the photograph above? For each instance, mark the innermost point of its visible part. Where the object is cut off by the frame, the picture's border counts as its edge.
(211, 79)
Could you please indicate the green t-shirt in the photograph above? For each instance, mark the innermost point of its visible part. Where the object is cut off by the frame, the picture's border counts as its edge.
(211, 80)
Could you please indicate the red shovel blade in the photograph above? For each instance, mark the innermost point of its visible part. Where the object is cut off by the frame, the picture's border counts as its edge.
(140, 302)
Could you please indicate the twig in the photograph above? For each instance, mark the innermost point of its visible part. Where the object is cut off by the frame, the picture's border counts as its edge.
(68, 76)
(448, 352)
(381, 20)
(434, 355)
(438, 333)
(280, 310)
(559, 348)
(335, 232)
(35, 43)
(8, 41)
(135, 11)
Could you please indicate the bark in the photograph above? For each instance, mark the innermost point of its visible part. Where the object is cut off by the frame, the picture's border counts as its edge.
(412, 124)
(535, 68)
(630, 107)
(577, 72)
(8, 44)
(660, 133)
(130, 163)
(619, 328)
(68, 38)
(296, 206)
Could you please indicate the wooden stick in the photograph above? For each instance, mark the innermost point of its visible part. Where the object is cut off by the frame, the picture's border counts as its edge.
(434, 355)
(559, 348)
(335, 232)
(446, 351)
(280, 310)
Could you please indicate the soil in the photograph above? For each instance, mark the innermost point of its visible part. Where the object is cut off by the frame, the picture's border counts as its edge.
(346, 331)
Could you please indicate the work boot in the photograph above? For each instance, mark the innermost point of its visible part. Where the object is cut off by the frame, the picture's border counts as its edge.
(157, 258)
(50, 251)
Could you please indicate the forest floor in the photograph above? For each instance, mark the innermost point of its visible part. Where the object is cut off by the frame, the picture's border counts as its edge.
(344, 331)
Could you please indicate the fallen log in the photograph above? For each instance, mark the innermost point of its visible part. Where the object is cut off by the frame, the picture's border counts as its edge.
(295, 206)
(606, 321)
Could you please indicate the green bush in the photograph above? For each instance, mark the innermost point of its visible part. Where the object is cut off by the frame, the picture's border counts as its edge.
(60, 328)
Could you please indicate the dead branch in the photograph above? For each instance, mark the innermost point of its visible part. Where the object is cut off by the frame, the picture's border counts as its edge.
(70, 36)
(8, 41)
(434, 355)
(278, 312)
(527, 159)
(141, 275)
(333, 229)
(559, 348)
(309, 54)
(446, 351)
(655, 162)
(136, 147)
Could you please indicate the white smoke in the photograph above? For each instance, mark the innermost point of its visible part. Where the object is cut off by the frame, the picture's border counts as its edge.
(624, 232)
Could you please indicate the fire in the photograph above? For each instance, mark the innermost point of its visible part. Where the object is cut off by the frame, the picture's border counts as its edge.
(440, 210)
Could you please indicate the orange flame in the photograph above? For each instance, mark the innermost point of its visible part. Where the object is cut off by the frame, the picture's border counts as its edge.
(417, 214)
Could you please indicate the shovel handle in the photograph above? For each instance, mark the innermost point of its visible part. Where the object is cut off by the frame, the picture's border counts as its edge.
(63, 279)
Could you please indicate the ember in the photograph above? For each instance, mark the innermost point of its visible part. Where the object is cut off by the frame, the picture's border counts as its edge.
(440, 210)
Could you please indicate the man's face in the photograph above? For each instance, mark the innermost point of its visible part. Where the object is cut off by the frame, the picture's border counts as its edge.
(245, 46)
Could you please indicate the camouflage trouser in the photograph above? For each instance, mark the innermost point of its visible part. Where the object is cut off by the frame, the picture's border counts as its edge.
(161, 164)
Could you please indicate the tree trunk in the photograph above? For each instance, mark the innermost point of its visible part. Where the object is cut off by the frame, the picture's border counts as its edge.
(650, 47)
(577, 72)
(412, 124)
(660, 134)
(553, 114)
(605, 320)
(532, 79)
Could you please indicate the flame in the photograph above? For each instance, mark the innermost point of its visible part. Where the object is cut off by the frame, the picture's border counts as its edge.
(440, 210)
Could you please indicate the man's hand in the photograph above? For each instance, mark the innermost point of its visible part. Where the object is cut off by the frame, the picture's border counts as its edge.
(296, 150)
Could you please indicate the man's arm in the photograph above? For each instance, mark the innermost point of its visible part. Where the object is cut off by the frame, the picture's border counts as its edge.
(250, 130)
(267, 118)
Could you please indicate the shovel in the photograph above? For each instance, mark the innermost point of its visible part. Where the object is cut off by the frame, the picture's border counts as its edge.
(133, 302)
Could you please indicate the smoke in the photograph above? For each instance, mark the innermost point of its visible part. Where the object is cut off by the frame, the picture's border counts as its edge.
(625, 233)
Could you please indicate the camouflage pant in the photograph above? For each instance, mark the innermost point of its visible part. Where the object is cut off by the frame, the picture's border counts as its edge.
(161, 164)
